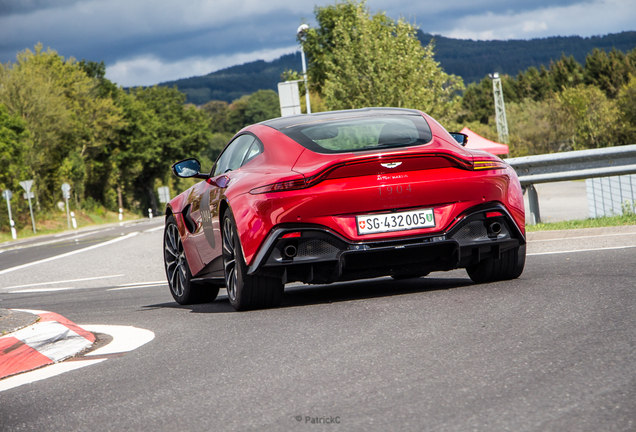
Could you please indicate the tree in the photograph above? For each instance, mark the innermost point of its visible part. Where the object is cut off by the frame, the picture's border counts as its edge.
(607, 71)
(69, 124)
(158, 131)
(591, 116)
(359, 60)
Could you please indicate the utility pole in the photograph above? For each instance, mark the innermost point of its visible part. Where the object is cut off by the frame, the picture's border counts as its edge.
(500, 109)
(301, 33)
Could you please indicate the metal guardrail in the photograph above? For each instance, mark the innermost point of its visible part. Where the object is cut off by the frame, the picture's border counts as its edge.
(574, 165)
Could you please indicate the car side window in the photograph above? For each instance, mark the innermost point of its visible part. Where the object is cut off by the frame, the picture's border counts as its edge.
(255, 150)
(233, 156)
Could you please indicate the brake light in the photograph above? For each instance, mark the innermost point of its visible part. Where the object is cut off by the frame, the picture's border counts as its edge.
(281, 186)
(488, 164)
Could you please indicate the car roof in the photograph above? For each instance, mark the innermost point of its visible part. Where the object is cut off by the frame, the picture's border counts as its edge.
(285, 122)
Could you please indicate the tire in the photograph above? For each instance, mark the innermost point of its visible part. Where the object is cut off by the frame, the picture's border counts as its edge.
(183, 290)
(509, 266)
(245, 292)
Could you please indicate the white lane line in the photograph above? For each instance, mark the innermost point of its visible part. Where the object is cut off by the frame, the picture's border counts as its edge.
(39, 290)
(581, 250)
(143, 283)
(63, 281)
(64, 255)
(137, 286)
(125, 339)
(154, 229)
(581, 237)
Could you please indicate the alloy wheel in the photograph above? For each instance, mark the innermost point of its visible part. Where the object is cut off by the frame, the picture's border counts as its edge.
(229, 258)
(175, 260)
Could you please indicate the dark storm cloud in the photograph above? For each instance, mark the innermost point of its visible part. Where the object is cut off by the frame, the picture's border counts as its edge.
(8, 7)
(167, 33)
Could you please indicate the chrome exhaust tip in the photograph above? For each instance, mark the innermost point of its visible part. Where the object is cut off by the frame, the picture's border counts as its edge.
(495, 228)
(290, 251)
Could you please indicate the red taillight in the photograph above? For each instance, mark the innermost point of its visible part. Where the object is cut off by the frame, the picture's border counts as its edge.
(281, 186)
(292, 235)
(493, 214)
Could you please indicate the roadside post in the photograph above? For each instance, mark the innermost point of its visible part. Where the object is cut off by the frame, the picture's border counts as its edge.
(66, 191)
(7, 194)
(26, 185)
(121, 214)
(150, 213)
(73, 220)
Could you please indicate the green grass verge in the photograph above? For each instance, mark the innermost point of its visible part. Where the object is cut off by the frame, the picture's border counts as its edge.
(626, 219)
(52, 223)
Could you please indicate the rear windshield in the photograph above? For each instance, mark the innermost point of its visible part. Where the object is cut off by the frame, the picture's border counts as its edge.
(361, 133)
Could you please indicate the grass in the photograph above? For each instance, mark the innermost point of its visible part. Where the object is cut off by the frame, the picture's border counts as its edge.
(629, 218)
(56, 222)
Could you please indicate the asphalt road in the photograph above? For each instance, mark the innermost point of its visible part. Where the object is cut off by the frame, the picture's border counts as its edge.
(554, 350)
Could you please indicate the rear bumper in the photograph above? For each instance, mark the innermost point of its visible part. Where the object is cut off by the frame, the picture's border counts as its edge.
(319, 255)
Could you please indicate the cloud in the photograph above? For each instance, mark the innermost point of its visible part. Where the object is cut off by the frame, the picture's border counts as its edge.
(149, 70)
(144, 40)
(584, 19)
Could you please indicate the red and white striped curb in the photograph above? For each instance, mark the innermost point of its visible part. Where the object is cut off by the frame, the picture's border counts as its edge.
(50, 340)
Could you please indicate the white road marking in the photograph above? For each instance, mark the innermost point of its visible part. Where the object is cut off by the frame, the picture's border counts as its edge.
(143, 283)
(44, 373)
(581, 250)
(582, 237)
(39, 290)
(137, 286)
(125, 339)
(64, 255)
(64, 281)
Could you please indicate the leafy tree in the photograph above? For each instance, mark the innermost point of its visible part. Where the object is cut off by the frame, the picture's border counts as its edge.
(626, 103)
(565, 72)
(65, 118)
(607, 71)
(158, 131)
(359, 60)
(591, 115)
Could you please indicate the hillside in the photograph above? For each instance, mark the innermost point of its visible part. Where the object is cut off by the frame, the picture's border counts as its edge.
(472, 60)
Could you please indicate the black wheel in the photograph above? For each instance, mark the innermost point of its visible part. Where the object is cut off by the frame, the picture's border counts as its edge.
(244, 291)
(183, 290)
(509, 266)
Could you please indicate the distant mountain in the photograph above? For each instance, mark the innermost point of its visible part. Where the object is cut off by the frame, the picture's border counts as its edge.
(472, 60)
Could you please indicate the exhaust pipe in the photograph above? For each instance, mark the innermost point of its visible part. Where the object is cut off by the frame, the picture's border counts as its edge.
(495, 228)
(290, 251)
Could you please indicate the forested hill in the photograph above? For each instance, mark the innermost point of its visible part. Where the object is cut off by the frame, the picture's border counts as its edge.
(472, 60)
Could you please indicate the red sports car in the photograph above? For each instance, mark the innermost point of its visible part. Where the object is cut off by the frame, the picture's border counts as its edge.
(336, 196)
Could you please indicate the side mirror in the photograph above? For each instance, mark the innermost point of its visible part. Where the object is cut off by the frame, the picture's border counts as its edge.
(188, 168)
(461, 138)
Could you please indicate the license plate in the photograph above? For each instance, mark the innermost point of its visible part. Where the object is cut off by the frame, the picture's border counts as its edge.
(400, 221)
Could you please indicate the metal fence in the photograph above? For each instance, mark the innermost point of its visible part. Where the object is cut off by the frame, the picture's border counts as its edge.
(574, 165)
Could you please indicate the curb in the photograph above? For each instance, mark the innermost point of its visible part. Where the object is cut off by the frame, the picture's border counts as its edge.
(51, 339)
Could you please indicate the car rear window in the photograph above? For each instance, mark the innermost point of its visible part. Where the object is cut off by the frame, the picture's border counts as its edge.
(361, 133)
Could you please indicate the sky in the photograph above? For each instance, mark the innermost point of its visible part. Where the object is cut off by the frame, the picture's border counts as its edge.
(145, 42)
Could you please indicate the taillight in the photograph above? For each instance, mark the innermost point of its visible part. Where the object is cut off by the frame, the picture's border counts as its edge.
(281, 186)
(488, 164)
